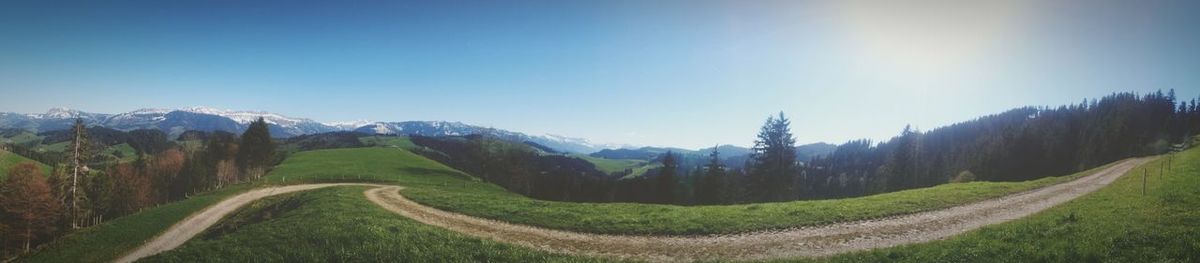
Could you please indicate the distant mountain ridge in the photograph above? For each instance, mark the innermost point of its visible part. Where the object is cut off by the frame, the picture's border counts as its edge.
(804, 153)
(176, 121)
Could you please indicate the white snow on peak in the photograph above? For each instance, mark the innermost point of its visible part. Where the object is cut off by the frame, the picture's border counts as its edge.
(60, 113)
(349, 125)
(586, 142)
(148, 111)
(244, 117)
(383, 129)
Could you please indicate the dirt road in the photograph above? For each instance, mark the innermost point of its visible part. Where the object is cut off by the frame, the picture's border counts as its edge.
(192, 225)
(804, 241)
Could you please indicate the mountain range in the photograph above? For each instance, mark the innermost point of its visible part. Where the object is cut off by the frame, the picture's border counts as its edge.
(176, 121)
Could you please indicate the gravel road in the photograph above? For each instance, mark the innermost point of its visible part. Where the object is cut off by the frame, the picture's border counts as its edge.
(803, 241)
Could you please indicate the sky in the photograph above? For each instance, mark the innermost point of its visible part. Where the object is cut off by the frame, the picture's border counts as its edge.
(664, 73)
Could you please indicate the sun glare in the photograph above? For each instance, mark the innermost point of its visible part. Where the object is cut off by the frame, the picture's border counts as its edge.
(926, 37)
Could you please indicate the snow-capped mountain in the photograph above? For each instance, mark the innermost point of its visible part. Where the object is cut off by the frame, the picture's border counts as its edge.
(348, 125)
(172, 121)
(443, 128)
(176, 121)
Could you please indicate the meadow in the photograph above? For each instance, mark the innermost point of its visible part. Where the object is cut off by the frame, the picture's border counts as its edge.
(1115, 224)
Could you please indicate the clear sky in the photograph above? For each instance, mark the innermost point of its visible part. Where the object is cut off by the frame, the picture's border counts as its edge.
(668, 73)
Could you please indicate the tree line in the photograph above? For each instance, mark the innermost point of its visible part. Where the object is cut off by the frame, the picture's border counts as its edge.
(82, 190)
(1020, 144)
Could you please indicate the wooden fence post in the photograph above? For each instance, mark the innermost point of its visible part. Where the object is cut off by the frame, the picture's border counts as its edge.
(1161, 168)
(1144, 172)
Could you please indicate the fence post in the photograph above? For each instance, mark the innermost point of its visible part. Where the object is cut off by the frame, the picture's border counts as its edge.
(1144, 172)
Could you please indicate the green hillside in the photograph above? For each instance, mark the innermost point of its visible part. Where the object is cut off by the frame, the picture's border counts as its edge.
(388, 141)
(610, 166)
(9, 159)
(19, 137)
(1115, 224)
(433, 184)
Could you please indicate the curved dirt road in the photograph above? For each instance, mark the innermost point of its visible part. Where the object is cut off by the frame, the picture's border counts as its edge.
(194, 224)
(803, 241)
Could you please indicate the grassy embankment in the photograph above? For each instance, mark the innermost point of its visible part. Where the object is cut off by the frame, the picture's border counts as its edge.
(1114, 224)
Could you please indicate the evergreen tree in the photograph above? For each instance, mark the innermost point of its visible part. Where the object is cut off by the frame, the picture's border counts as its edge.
(666, 178)
(712, 181)
(256, 151)
(80, 155)
(774, 161)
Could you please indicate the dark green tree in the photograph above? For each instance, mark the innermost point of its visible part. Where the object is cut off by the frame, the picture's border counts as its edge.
(666, 178)
(256, 151)
(774, 161)
(712, 182)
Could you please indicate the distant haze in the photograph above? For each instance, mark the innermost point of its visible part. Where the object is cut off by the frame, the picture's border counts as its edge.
(686, 74)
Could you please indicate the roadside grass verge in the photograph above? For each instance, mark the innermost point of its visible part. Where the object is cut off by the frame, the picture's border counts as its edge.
(110, 240)
(1114, 224)
(436, 185)
(339, 224)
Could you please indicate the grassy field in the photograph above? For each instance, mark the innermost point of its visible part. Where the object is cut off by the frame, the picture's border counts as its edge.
(339, 225)
(8, 160)
(435, 185)
(122, 152)
(388, 141)
(107, 241)
(610, 166)
(21, 138)
(56, 147)
(1115, 224)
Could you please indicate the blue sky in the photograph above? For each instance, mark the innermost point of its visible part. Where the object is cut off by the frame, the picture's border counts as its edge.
(667, 73)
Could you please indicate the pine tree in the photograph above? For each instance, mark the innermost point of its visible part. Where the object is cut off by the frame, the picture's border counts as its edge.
(666, 178)
(80, 155)
(712, 181)
(257, 150)
(774, 161)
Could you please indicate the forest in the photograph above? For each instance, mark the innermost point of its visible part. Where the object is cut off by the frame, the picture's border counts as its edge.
(83, 190)
(1020, 144)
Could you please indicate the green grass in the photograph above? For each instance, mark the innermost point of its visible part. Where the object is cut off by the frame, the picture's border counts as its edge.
(110, 240)
(126, 152)
(21, 138)
(610, 166)
(435, 185)
(9, 159)
(1114, 224)
(56, 147)
(641, 170)
(339, 225)
(389, 141)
